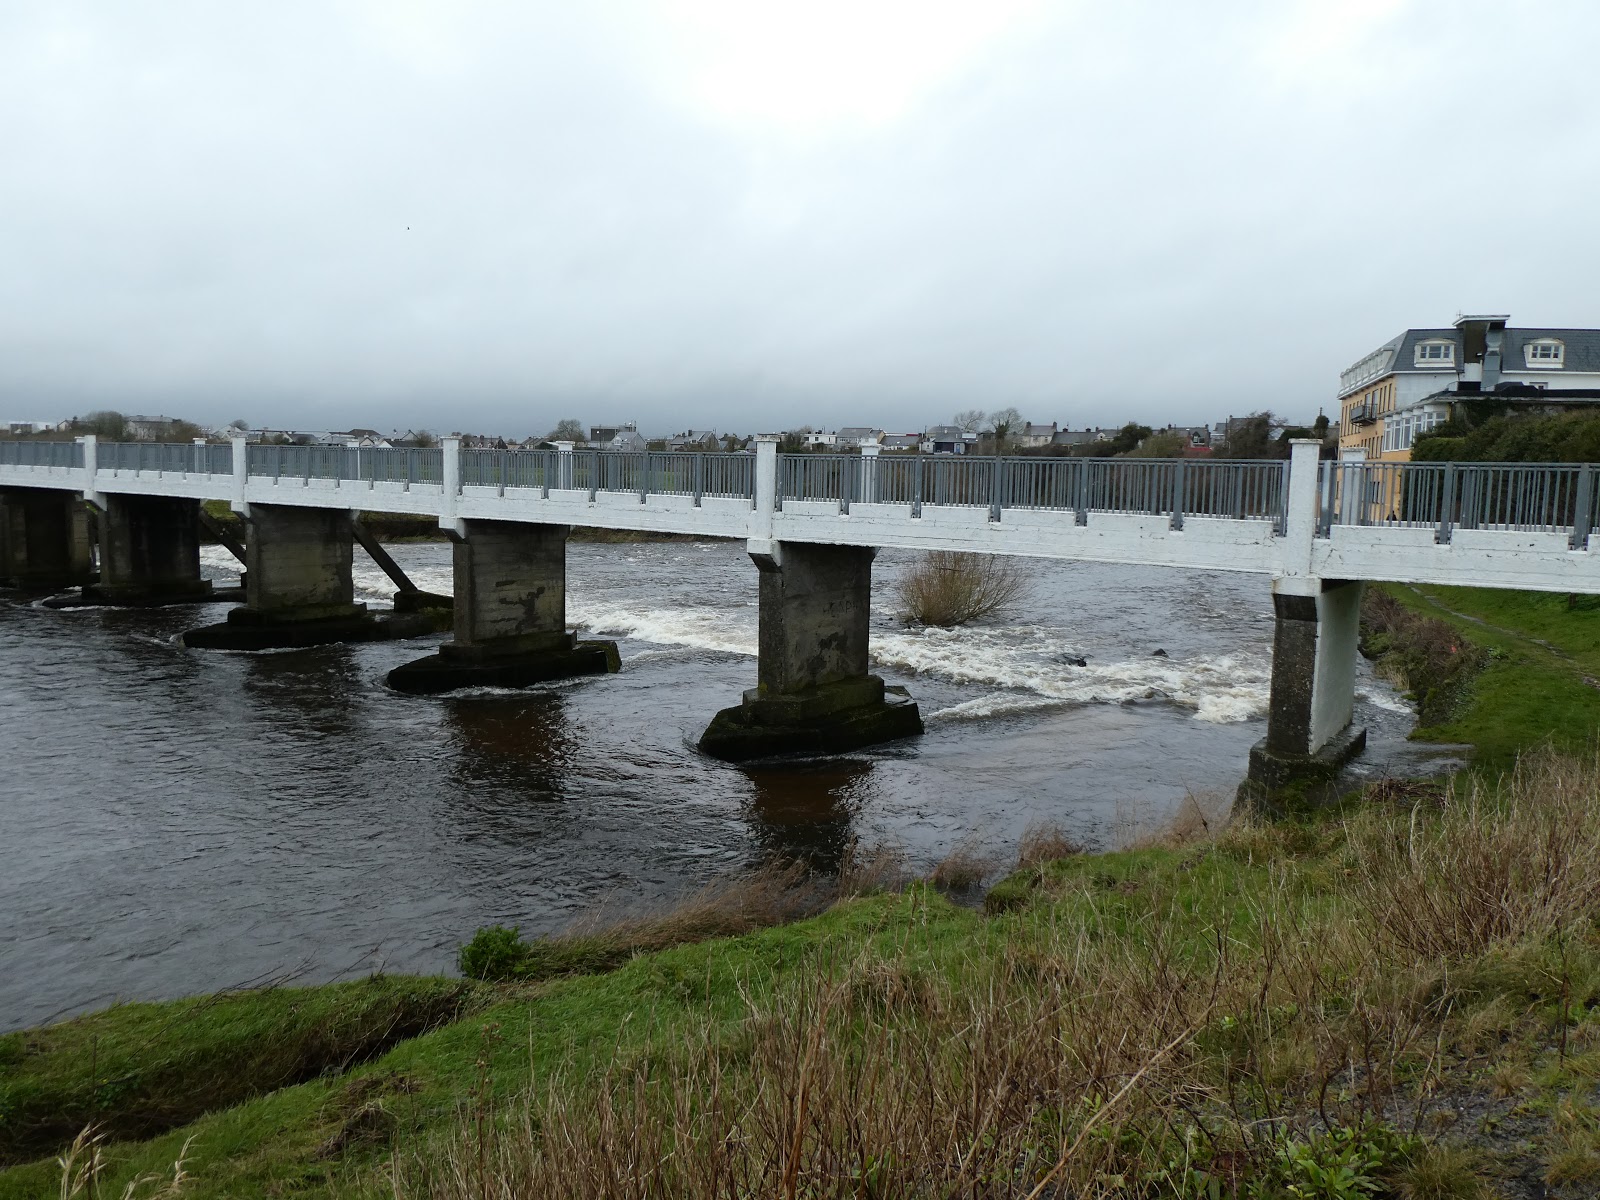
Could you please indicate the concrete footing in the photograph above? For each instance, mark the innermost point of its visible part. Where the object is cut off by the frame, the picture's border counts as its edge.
(450, 670)
(831, 719)
(815, 695)
(44, 539)
(1309, 730)
(299, 589)
(149, 553)
(509, 615)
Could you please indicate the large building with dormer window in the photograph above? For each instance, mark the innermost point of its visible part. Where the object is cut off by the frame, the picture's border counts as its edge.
(1409, 384)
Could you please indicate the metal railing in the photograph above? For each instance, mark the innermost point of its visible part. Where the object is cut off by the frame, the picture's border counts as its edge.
(1175, 488)
(642, 473)
(165, 458)
(1444, 497)
(41, 454)
(363, 464)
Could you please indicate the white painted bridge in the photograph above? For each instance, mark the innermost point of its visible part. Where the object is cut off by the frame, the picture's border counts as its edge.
(1316, 529)
(1519, 525)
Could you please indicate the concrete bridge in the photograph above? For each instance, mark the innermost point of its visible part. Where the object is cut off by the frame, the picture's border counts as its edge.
(812, 524)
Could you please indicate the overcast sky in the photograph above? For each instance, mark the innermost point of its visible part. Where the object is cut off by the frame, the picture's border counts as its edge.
(485, 216)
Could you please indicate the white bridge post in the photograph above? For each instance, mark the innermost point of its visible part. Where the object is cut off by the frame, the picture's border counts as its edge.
(91, 466)
(241, 466)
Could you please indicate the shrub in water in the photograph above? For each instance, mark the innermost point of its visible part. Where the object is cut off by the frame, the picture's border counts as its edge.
(950, 588)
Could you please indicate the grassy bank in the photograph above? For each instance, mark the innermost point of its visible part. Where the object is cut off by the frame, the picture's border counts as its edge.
(1404, 992)
(1399, 997)
(1510, 671)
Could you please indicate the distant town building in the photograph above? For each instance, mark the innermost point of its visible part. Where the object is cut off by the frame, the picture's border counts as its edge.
(626, 439)
(947, 439)
(902, 442)
(148, 429)
(695, 440)
(1035, 435)
(856, 436)
(1413, 382)
(601, 435)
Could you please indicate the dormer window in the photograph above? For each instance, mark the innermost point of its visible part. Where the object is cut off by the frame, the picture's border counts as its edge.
(1546, 352)
(1436, 354)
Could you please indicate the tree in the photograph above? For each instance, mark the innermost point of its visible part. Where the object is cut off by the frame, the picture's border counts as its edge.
(969, 419)
(185, 431)
(1003, 424)
(566, 430)
(238, 425)
(1160, 445)
(106, 423)
(1251, 437)
(426, 439)
(1319, 427)
(1127, 439)
(793, 441)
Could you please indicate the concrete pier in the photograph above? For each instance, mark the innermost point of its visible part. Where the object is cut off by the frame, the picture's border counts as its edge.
(510, 615)
(1315, 642)
(44, 539)
(149, 552)
(299, 589)
(814, 693)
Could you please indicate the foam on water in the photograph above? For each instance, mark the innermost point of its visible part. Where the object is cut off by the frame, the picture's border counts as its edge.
(1031, 659)
(698, 628)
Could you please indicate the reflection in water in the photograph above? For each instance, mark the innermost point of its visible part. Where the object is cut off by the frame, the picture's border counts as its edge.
(523, 744)
(803, 812)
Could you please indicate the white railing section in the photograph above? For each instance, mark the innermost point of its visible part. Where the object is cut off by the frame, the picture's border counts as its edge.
(1174, 488)
(1444, 497)
(1522, 498)
(41, 454)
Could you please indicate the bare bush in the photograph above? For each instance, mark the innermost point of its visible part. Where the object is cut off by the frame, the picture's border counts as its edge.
(951, 588)
(1045, 841)
(964, 868)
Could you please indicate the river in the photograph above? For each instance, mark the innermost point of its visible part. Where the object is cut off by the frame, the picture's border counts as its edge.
(176, 821)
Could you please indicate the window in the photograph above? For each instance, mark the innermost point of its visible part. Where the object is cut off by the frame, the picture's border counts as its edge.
(1546, 352)
(1436, 353)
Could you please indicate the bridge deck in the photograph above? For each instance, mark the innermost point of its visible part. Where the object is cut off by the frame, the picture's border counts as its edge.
(1487, 525)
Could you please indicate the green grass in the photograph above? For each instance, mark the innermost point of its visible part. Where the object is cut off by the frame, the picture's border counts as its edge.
(138, 1069)
(278, 1141)
(1533, 688)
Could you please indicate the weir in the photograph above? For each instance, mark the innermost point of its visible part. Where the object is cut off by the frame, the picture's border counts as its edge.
(510, 612)
(815, 693)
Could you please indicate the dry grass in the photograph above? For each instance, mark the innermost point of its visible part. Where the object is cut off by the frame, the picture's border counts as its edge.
(1491, 868)
(1066, 1060)
(1045, 841)
(965, 868)
(950, 588)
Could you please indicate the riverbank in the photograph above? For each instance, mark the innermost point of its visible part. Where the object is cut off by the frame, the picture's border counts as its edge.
(1404, 989)
(1402, 985)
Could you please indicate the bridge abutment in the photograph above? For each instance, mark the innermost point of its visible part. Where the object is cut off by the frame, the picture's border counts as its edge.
(1310, 733)
(510, 615)
(44, 538)
(815, 692)
(299, 587)
(149, 552)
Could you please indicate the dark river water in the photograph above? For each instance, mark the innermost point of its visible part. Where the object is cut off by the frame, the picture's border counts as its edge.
(176, 821)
